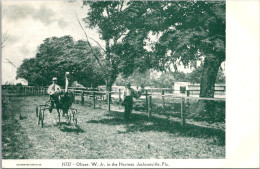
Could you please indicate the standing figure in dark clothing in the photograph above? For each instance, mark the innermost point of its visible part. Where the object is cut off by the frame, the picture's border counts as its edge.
(128, 94)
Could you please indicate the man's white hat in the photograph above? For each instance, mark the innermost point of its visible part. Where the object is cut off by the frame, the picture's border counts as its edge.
(55, 78)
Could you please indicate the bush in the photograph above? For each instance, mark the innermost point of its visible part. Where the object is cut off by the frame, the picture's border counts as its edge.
(210, 111)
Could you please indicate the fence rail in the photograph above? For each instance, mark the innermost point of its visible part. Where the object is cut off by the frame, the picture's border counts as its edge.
(9, 90)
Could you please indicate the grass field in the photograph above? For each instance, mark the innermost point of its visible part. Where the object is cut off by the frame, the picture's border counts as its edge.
(105, 135)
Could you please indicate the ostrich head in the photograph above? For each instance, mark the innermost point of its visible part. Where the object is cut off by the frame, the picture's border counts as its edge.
(66, 81)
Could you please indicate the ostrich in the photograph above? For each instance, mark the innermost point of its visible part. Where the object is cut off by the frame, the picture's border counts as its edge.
(65, 100)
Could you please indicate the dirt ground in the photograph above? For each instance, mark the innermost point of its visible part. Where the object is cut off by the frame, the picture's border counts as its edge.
(104, 135)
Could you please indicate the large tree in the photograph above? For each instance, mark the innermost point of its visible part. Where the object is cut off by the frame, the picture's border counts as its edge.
(55, 56)
(191, 31)
(186, 31)
(121, 54)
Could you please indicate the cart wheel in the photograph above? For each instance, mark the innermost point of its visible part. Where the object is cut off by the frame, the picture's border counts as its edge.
(69, 117)
(42, 114)
(42, 118)
(39, 118)
(75, 120)
(37, 111)
(47, 103)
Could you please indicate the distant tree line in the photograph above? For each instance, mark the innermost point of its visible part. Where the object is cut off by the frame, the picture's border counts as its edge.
(165, 79)
(55, 56)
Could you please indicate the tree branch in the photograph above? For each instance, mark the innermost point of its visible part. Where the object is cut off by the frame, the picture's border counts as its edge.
(108, 15)
(91, 48)
(96, 57)
(4, 38)
(122, 3)
(98, 44)
(8, 61)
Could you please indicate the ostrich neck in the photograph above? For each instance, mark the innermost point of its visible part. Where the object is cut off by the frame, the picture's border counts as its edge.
(66, 84)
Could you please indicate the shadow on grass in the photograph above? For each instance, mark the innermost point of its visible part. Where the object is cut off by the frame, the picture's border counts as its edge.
(141, 123)
(66, 127)
(71, 129)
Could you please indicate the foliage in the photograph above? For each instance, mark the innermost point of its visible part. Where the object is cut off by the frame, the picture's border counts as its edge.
(199, 111)
(221, 78)
(148, 78)
(186, 31)
(54, 57)
(28, 70)
(194, 109)
(124, 50)
(136, 79)
(166, 80)
(106, 16)
(190, 30)
(196, 75)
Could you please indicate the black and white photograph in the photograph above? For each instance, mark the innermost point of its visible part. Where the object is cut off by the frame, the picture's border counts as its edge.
(119, 79)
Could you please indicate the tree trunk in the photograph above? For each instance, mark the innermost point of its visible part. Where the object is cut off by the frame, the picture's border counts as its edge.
(209, 75)
(109, 84)
(207, 88)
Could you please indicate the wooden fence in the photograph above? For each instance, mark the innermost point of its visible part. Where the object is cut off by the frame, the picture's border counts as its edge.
(15, 90)
(95, 94)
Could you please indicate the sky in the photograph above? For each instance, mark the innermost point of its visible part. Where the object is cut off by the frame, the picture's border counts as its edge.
(28, 23)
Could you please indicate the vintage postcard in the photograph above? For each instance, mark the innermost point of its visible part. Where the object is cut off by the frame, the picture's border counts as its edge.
(129, 84)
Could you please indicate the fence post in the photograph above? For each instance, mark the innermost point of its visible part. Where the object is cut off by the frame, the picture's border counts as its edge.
(146, 100)
(108, 101)
(119, 94)
(82, 98)
(183, 112)
(94, 100)
(150, 106)
(188, 93)
(163, 100)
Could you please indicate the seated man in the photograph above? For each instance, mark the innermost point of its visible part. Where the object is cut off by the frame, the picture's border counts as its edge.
(54, 91)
